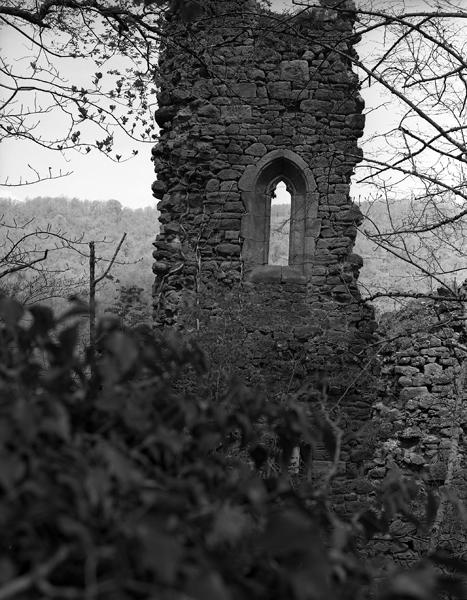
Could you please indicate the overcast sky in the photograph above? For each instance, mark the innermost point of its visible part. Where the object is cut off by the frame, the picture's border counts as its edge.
(94, 176)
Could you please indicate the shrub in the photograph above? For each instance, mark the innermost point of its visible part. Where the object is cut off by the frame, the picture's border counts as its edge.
(117, 485)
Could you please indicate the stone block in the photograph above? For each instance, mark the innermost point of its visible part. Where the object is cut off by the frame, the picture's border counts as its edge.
(229, 224)
(432, 370)
(419, 380)
(244, 89)
(411, 433)
(158, 189)
(212, 185)
(292, 275)
(229, 186)
(412, 458)
(238, 112)
(228, 249)
(258, 74)
(160, 267)
(439, 351)
(294, 70)
(446, 377)
(217, 197)
(228, 174)
(235, 207)
(414, 392)
(164, 115)
(279, 90)
(256, 149)
(265, 274)
(209, 111)
(355, 121)
(316, 106)
(405, 370)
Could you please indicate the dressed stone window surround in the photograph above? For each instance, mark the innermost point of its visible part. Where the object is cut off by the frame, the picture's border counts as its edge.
(257, 184)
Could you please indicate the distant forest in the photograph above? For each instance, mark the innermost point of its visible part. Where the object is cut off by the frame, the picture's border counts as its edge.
(65, 271)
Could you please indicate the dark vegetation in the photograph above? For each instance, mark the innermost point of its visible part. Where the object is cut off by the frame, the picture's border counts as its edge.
(123, 484)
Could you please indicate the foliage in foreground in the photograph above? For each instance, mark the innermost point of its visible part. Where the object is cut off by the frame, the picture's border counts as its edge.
(120, 485)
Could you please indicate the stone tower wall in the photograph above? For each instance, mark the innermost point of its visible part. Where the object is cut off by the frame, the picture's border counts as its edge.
(255, 88)
(247, 98)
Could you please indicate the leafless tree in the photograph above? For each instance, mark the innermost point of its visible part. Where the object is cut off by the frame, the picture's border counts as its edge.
(415, 157)
(24, 270)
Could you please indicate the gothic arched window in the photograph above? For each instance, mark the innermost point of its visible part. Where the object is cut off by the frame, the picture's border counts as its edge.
(258, 185)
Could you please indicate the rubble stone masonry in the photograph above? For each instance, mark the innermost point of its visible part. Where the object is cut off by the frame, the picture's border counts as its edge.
(248, 98)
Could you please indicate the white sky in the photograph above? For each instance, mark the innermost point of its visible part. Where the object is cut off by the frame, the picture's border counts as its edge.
(94, 176)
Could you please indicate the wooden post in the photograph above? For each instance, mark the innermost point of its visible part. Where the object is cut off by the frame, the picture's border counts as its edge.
(92, 305)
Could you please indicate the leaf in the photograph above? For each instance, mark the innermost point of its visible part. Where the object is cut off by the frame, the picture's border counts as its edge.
(259, 454)
(209, 586)
(44, 319)
(97, 485)
(286, 532)
(7, 570)
(11, 311)
(124, 349)
(58, 423)
(161, 553)
(455, 564)
(68, 338)
(12, 469)
(229, 525)
(310, 584)
(209, 441)
(419, 584)
(371, 523)
(121, 467)
(453, 586)
(77, 309)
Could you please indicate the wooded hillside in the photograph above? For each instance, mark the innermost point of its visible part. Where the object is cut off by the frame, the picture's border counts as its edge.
(83, 220)
(105, 222)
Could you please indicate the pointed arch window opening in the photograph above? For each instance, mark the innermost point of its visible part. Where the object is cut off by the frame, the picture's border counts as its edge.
(278, 247)
(278, 169)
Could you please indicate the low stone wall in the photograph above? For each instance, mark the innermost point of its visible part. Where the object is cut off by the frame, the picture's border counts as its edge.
(422, 418)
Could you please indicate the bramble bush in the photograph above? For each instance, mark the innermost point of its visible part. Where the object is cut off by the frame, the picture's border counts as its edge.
(118, 483)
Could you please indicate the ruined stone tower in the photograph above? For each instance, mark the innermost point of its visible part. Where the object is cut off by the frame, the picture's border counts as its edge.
(249, 97)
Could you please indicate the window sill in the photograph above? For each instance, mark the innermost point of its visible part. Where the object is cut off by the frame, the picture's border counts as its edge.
(275, 274)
